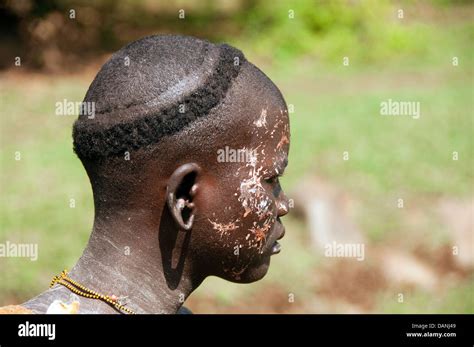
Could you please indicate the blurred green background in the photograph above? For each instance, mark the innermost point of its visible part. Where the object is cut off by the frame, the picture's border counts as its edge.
(399, 50)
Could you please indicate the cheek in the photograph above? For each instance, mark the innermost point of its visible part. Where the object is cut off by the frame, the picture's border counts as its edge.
(222, 215)
(244, 221)
(259, 217)
(249, 241)
(241, 218)
(254, 199)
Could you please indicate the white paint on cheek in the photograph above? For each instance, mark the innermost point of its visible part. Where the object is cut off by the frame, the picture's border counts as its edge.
(263, 204)
(262, 120)
(252, 194)
(284, 140)
(224, 228)
(260, 233)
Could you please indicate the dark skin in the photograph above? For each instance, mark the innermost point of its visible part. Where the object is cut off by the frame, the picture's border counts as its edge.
(183, 216)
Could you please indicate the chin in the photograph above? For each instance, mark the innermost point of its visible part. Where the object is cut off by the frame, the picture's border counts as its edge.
(254, 272)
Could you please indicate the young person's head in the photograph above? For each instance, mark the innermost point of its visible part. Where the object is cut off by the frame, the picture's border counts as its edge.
(188, 138)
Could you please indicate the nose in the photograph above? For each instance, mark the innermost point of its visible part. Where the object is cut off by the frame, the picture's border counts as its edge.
(283, 205)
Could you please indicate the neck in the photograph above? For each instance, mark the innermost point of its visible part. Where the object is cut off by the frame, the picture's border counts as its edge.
(143, 259)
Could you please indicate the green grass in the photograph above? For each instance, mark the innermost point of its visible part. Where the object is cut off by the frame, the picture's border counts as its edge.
(457, 299)
(390, 156)
(36, 190)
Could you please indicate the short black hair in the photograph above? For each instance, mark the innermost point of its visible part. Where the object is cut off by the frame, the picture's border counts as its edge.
(150, 89)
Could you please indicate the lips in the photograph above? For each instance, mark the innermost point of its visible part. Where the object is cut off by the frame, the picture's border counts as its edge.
(276, 247)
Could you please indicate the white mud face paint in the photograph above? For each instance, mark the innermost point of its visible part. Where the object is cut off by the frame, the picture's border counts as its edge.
(254, 194)
(255, 199)
(262, 120)
(260, 234)
(224, 229)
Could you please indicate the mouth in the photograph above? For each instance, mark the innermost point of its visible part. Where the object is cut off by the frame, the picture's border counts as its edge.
(276, 247)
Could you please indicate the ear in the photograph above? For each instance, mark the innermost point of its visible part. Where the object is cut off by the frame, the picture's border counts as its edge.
(180, 192)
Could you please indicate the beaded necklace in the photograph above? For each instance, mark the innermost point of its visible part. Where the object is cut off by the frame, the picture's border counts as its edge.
(81, 290)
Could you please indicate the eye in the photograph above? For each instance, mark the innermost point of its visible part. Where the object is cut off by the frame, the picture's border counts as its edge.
(272, 180)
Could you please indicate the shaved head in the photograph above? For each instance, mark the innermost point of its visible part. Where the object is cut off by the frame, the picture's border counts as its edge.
(153, 88)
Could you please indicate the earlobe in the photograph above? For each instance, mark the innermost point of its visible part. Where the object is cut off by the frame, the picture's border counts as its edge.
(180, 192)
